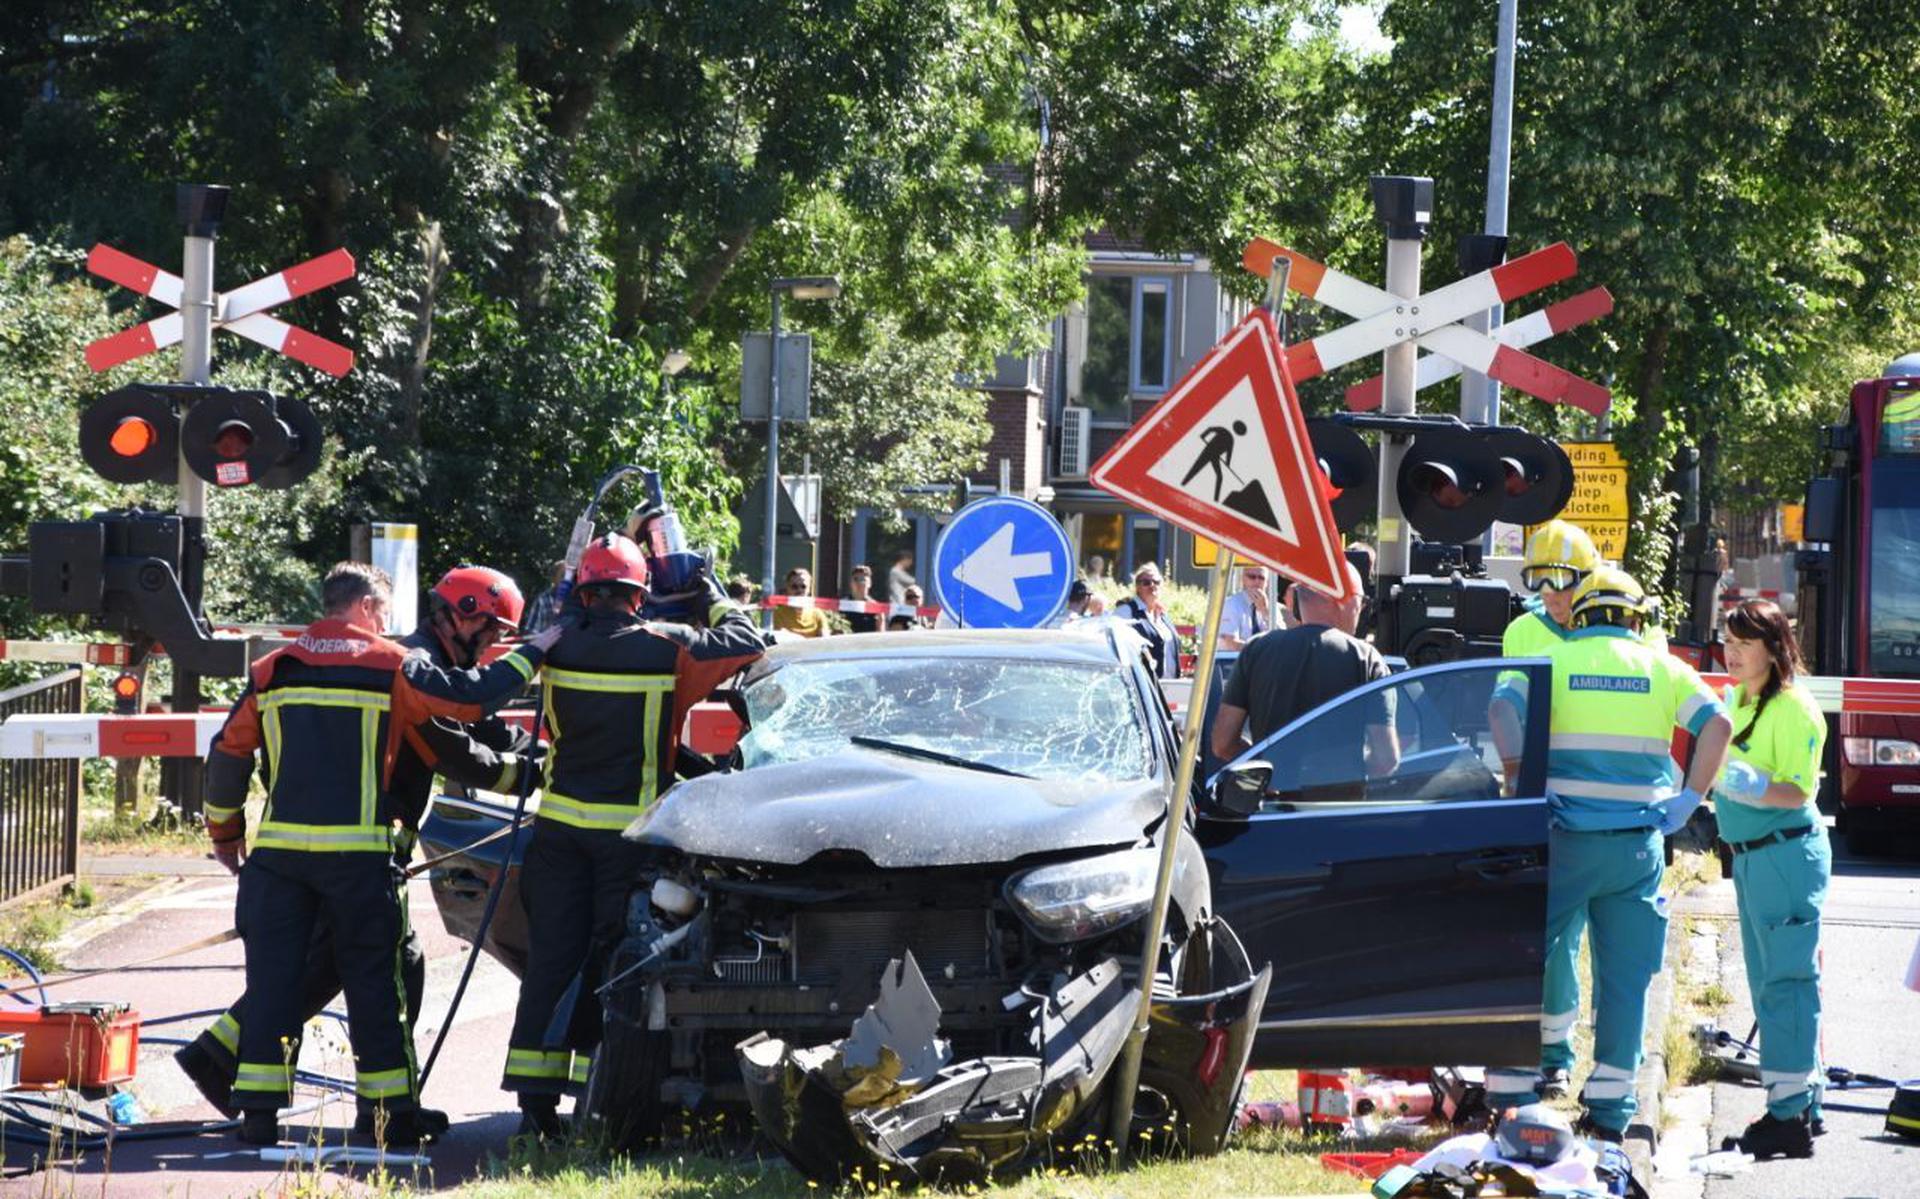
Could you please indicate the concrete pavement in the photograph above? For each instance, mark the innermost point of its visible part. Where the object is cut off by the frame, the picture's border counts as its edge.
(1871, 1024)
(179, 910)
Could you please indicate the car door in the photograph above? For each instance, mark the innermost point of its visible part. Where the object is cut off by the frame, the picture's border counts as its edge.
(1400, 896)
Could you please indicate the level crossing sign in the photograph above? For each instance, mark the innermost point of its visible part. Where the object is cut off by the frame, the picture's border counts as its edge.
(1002, 563)
(242, 310)
(1226, 456)
(1432, 322)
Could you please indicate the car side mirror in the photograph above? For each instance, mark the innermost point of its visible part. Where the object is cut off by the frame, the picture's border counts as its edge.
(1240, 788)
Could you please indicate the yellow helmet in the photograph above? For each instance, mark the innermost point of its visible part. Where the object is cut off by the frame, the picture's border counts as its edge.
(1559, 555)
(1609, 587)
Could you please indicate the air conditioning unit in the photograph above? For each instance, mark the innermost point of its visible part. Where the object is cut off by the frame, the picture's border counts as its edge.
(1076, 441)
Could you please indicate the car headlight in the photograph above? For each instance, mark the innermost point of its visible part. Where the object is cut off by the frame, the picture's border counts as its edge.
(1071, 901)
(1880, 751)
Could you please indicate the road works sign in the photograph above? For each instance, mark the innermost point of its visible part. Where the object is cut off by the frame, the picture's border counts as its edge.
(1599, 501)
(1226, 456)
(1002, 563)
(242, 310)
(1430, 320)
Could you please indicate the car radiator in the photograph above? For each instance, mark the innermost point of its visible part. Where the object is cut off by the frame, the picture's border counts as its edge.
(830, 944)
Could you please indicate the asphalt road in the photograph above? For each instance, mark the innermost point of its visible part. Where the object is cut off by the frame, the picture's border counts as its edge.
(1871, 1024)
(465, 1082)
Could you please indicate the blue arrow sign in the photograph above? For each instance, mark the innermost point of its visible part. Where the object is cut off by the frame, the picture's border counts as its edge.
(1002, 563)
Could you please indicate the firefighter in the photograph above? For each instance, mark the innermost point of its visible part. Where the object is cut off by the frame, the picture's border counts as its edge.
(330, 711)
(1613, 791)
(471, 608)
(1781, 867)
(616, 692)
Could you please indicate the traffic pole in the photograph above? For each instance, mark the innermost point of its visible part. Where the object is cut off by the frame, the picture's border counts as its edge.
(767, 561)
(1120, 1116)
(201, 208)
(1405, 206)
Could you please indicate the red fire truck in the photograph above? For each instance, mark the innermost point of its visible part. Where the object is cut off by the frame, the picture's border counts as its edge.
(1860, 595)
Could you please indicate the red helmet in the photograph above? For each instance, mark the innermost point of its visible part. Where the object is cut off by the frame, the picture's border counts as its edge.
(481, 591)
(612, 559)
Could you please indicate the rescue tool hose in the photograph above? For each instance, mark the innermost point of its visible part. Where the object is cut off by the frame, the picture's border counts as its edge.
(486, 921)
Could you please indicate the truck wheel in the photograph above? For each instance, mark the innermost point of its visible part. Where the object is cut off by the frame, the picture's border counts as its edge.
(623, 1091)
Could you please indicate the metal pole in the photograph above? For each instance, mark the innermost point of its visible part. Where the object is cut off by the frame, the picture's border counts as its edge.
(1120, 1117)
(773, 463)
(1396, 539)
(201, 208)
(1499, 158)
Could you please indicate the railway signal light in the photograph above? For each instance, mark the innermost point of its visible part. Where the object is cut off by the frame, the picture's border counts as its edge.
(228, 437)
(126, 694)
(1454, 481)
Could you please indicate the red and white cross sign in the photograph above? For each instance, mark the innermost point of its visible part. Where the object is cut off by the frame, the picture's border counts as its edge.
(1431, 320)
(242, 310)
(1226, 455)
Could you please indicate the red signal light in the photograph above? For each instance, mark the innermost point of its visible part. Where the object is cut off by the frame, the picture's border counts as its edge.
(132, 437)
(233, 440)
(126, 687)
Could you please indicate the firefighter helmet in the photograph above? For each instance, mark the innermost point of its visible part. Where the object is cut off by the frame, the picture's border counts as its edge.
(1609, 587)
(481, 591)
(612, 558)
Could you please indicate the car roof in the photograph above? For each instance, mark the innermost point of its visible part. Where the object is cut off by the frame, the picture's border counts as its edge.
(1093, 646)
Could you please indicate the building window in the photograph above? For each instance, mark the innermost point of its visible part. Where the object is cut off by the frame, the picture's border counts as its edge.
(1129, 343)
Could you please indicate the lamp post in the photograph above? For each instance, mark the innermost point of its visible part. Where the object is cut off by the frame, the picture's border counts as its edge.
(803, 287)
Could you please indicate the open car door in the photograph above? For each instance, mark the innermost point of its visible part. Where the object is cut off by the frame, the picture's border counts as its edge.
(1396, 880)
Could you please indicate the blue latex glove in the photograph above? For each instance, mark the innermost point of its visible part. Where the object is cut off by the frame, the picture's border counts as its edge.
(1679, 809)
(1742, 783)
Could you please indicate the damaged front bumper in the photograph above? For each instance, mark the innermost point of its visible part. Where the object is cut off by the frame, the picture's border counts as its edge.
(889, 1095)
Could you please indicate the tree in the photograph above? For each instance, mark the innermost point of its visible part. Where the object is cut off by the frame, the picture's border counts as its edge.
(1742, 177)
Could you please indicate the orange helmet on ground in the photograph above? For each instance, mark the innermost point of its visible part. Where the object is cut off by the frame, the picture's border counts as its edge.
(481, 591)
(612, 558)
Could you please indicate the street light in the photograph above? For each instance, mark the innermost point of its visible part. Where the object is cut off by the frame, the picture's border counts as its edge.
(800, 287)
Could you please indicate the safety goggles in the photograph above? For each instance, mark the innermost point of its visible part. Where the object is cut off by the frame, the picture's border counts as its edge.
(1552, 578)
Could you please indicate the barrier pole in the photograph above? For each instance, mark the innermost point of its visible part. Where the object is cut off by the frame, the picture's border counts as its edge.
(1120, 1116)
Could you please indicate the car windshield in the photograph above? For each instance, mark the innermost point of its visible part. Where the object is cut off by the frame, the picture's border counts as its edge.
(1049, 720)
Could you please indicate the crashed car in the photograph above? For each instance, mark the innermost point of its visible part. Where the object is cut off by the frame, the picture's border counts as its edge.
(902, 925)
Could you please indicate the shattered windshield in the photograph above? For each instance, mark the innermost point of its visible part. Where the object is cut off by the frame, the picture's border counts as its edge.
(1042, 719)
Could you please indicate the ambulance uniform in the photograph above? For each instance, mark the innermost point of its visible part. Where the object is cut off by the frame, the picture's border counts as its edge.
(1610, 772)
(1781, 866)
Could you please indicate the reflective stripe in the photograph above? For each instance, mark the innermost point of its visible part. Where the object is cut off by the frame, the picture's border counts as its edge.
(1640, 793)
(581, 814)
(1509, 1082)
(1556, 1027)
(509, 779)
(582, 1064)
(326, 697)
(587, 680)
(383, 1084)
(215, 814)
(1614, 742)
(226, 1030)
(537, 1063)
(521, 663)
(1690, 707)
(324, 838)
(276, 1079)
(1607, 1088)
(369, 778)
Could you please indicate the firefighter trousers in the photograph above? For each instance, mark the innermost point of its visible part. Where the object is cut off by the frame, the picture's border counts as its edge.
(319, 986)
(574, 885)
(284, 894)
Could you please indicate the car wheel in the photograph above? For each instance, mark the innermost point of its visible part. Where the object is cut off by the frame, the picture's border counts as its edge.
(623, 1091)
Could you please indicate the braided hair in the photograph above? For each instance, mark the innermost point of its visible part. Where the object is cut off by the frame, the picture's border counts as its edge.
(1763, 621)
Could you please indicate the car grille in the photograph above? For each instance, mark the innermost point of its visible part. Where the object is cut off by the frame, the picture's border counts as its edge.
(830, 944)
(770, 967)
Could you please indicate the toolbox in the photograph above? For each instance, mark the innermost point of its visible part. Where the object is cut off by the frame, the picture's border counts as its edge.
(80, 1045)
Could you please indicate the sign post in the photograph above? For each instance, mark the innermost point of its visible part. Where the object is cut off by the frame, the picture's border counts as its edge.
(1226, 456)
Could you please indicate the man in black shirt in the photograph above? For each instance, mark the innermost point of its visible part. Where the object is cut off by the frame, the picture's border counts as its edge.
(860, 587)
(1285, 673)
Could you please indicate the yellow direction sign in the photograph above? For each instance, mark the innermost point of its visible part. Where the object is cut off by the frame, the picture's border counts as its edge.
(1599, 502)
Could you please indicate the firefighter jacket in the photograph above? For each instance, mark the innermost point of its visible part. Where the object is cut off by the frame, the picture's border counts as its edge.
(483, 753)
(617, 693)
(326, 710)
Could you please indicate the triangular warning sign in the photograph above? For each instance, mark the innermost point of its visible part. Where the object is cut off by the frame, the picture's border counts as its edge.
(1226, 456)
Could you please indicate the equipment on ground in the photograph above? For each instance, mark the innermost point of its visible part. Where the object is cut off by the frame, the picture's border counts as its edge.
(1535, 1134)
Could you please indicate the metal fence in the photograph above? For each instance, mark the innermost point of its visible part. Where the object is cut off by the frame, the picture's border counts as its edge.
(39, 799)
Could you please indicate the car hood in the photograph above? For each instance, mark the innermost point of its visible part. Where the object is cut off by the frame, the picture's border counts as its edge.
(899, 813)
